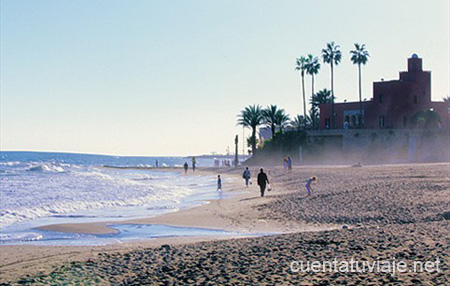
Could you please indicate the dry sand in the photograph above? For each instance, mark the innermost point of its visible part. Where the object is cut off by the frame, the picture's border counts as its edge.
(391, 211)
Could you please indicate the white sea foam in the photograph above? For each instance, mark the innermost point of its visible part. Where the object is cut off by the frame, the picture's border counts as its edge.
(10, 163)
(43, 189)
(46, 167)
(21, 236)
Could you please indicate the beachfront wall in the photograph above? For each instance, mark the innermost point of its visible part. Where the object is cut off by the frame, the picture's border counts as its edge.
(342, 146)
(394, 103)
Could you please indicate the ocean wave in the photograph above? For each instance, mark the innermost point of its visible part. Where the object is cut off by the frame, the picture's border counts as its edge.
(55, 208)
(46, 167)
(13, 163)
(32, 190)
(112, 178)
(19, 237)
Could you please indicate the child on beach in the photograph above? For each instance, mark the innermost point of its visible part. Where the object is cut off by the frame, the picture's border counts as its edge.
(308, 184)
(219, 183)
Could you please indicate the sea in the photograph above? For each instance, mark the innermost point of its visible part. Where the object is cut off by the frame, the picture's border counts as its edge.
(40, 188)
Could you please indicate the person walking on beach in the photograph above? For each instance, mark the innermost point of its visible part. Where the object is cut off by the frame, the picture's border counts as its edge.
(186, 167)
(285, 163)
(219, 183)
(193, 164)
(246, 175)
(262, 180)
(308, 184)
(289, 163)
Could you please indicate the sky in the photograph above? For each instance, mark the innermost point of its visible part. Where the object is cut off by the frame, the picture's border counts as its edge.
(168, 78)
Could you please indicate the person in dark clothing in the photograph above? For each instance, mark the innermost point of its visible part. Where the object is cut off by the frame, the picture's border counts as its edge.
(262, 180)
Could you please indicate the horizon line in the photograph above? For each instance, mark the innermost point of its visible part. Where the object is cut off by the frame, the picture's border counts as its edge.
(110, 155)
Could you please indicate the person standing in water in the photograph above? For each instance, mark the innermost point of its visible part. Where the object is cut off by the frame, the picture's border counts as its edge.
(262, 180)
(219, 183)
(186, 167)
(193, 164)
(308, 184)
(246, 175)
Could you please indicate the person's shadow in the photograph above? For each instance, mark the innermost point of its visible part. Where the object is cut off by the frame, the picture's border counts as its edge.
(249, 199)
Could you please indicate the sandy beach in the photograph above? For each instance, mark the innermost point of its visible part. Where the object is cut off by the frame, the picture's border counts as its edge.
(368, 213)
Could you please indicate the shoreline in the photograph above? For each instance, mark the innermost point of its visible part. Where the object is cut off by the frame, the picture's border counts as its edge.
(217, 214)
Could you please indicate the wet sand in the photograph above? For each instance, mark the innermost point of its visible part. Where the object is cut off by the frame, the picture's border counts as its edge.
(374, 212)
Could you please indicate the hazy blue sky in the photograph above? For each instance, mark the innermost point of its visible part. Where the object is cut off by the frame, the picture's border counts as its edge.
(169, 77)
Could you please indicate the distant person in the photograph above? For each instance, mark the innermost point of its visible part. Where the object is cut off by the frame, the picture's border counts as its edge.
(346, 125)
(219, 183)
(156, 163)
(246, 175)
(186, 167)
(262, 180)
(193, 164)
(285, 164)
(308, 184)
(289, 163)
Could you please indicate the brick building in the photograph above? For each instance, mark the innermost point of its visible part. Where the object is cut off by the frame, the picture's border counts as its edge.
(394, 103)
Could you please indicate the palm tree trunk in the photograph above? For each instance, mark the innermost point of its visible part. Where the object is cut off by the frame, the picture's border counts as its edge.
(332, 97)
(303, 89)
(253, 140)
(312, 96)
(312, 84)
(360, 99)
(273, 130)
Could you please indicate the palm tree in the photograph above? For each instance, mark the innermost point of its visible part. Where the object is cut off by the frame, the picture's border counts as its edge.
(322, 96)
(250, 142)
(281, 119)
(269, 117)
(251, 117)
(312, 68)
(300, 122)
(297, 122)
(301, 66)
(332, 55)
(313, 117)
(360, 56)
